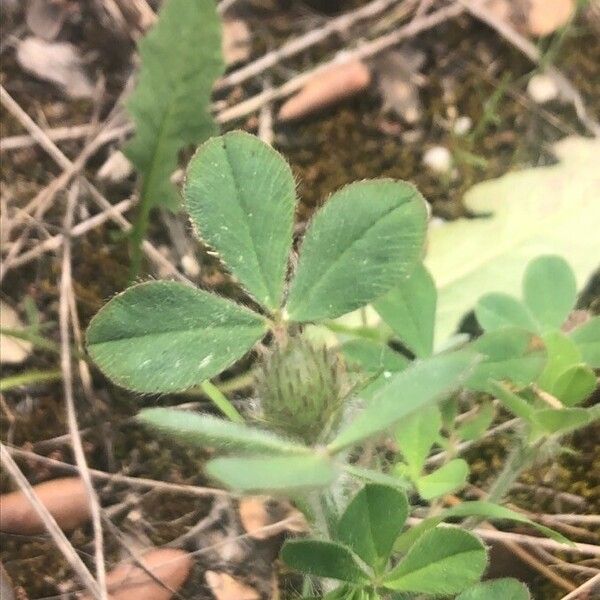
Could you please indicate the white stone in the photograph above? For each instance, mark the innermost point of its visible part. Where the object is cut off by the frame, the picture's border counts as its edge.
(438, 159)
(462, 125)
(542, 88)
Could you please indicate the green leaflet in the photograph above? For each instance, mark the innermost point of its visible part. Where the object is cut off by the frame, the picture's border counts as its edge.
(323, 559)
(164, 336)
(240, 194)
(409, 309)
(446, 479)
(372, 521)
(442, 561)
(563, 353)
(367, 237)
(574, 384)
(495, 311)
(205, 430)
(549, 291)
(416, 435)
(587, 338)
(510, 354)
(418, 386)
(273, 474)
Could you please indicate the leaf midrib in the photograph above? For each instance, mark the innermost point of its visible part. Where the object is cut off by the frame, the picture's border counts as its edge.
(236, 327)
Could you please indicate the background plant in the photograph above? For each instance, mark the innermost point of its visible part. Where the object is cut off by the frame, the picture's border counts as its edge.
(170, 103)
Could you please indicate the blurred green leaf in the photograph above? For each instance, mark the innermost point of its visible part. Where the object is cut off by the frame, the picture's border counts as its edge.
(496, 310)
(373, 357)
(510, 354)
(475, 426)
(416, 435)
(551, 209)
(280, 473)
(562, 420)
(409, 309)
(517, 405)
(449, 477)
(587, 338)
(562, 354)
(549, 291)
(574, 385)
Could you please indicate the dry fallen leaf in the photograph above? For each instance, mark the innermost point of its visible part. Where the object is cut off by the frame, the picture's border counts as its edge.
(225, 587)
(236, 41)
(398, 77)
(130, 582)
(339, 82)
(58, 62)
(45, 18)
(255, 515)
(65, 498)
(12, 350)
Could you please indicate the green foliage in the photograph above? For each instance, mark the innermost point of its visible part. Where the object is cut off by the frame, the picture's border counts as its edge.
(287, 474)
(417, 387)
(497, 311)
(373, 357)
(372, 521)
(549, 291)
(143, 338)
(416, 435)
(181, 59)
(205, 430)
(241, 197)
(587, 338)
(498, 589)
(448, 478)
(551, 209)
(367, 237)
(409, 309)
(324, 559)
(441, 562)
(510, 353)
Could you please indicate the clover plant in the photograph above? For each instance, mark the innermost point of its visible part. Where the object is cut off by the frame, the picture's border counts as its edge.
(321, 406)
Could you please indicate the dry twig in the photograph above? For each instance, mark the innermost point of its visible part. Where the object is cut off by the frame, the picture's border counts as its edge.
(54, 530)
(66, 290)
(367, 50)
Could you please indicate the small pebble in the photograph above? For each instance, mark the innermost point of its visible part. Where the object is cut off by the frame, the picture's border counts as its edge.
(542, 88)
(438, 159)
(462, 125)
